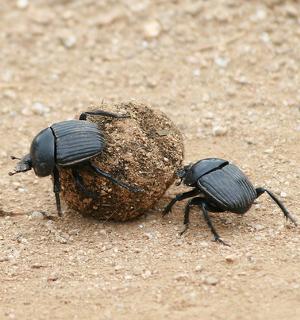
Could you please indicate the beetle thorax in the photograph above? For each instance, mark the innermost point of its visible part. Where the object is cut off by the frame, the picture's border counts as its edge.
(42, 153)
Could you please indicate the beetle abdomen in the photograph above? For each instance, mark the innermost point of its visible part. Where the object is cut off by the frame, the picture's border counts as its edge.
(229, 188)
(76, 141)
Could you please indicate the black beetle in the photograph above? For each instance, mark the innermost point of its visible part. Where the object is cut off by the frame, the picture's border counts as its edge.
(218, 186)
(71, 144)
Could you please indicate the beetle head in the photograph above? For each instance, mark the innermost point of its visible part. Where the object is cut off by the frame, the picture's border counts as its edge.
(25, 164)
(181, 174)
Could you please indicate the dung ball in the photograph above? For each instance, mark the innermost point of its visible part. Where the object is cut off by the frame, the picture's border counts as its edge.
(143, 150)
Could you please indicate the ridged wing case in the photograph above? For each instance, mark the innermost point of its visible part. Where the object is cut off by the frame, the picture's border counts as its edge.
(229, 188)
(76, 141)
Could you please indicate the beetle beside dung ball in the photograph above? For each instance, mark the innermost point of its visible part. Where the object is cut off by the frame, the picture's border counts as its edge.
(70, 144)
(218, 186)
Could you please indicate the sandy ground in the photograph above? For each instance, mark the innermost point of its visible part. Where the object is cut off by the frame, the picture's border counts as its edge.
(227, 73)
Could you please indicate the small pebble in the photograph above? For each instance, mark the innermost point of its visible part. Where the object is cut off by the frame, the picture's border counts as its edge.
(283, 194)
(22, 4)
(3, 259)
(230, 259)
(181, 277)
(152, 29)
(10, 94)
(291, 11)
(69, 41)
(219, 131)
(198, 268)
(146, 274)
(40, 109)
(128, 277)
(36, 215)
(212, 281)
(258, 227)
(222, 62)
(53, 277)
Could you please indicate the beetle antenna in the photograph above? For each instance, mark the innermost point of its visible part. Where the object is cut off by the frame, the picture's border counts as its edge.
(15, 158)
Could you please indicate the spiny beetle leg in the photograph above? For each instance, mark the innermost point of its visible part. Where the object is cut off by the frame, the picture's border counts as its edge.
(203, 206)
(186, 220)
(221, 241)
(57, 189)
(84, 115)
(286, 213)
(80, 184)
(113, 180)
(179, 197)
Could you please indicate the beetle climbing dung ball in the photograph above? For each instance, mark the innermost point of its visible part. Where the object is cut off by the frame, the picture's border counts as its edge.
(143, 151)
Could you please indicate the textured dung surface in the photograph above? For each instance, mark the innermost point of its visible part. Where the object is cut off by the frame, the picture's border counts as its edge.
(144, 150)
(230, 188)
(76, 140)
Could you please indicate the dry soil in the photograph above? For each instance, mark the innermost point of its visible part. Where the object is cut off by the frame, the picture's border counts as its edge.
(227, 73)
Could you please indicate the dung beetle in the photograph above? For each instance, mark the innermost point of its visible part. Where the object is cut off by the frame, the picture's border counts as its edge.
(218, 186)
(72, 144)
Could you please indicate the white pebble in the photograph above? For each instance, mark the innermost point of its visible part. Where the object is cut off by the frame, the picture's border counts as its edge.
(69, 42)
(36, 215)
(258, 227)
(283, 194)
(40, 109)
(219, 131)
(222, 62)
(212, 281)
(198, 268)
(22, 4)
(152, 29)
(196, 72)
(146, 274)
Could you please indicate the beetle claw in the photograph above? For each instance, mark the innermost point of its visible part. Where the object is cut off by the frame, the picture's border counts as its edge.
(292, 219)
(221, 241)
(185, 228)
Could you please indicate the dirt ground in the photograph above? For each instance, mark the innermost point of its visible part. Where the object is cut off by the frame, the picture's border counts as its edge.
(227, 73)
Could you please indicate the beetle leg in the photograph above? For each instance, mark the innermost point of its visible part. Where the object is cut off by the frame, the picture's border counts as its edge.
(186, 219)
(202, 205)
(287, 215)
(113, 180)
(84, 115)
(57, 189)
(179, 197)
(80, 184)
